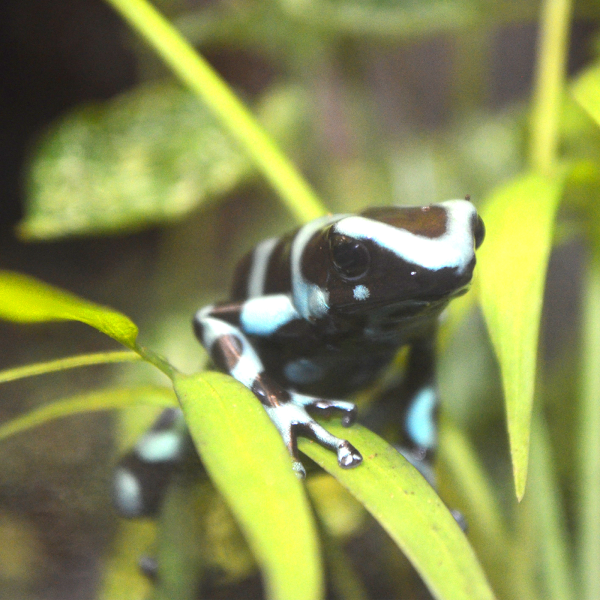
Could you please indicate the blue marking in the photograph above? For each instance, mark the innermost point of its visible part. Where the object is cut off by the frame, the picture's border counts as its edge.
(361, 292)
(266, 314)
(303, 370)
(420, 424)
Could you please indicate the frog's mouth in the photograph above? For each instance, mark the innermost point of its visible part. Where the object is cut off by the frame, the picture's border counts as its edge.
(401, 310)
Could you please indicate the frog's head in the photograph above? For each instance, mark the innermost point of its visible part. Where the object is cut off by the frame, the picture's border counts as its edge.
(394, 261)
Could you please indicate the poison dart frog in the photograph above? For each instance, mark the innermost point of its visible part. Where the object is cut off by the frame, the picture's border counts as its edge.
(315, 316)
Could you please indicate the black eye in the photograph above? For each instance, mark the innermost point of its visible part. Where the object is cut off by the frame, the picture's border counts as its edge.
(350, 258)
(478, 231)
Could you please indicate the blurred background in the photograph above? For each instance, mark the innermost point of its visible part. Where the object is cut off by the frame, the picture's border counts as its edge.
(116, 185)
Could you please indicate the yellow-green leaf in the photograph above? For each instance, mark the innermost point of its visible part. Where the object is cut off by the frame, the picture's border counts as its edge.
(24, 299)
(408, 508)
(108, 399)
(586, 91)
(248, 463)
(519, 219)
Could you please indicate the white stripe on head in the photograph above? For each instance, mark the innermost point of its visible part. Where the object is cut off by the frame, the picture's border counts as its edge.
(452, 249)
(258, 268)
(309, 299)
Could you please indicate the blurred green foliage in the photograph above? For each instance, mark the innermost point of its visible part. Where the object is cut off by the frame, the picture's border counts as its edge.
(332, 94)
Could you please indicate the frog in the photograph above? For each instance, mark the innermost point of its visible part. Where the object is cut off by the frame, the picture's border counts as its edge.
(318, 315)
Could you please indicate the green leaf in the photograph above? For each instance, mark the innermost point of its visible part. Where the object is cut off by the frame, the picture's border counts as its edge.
(586, 91)
(248, 463)
(70, 362)
(146, 157)
(399, 20)
(412, 513)
(519, 218)
(103, 400)
(24, 299)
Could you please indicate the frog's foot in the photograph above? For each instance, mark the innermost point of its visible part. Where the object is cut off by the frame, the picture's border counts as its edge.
(149, 567)
(292, 420)
(460, 519)
(328, 408)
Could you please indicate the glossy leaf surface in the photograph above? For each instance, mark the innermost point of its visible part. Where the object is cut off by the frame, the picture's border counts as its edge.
(248, 463)
(24, 299)
(406, 506)
(519, 218)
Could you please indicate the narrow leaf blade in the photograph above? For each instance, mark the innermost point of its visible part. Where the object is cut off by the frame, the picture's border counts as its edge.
(108, 399)
(586, 91)
(519, 218)
(24, 299)
(412, 513)
(248, 463)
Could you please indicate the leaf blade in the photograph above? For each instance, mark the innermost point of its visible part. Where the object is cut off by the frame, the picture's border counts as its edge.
(248, 463)
(24, 299)
(512, 266)
(406, 506)
(109, 399)
(586, 91)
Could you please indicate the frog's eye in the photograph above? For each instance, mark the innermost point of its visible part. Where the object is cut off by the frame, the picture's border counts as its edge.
(478, 231)
(350, 257)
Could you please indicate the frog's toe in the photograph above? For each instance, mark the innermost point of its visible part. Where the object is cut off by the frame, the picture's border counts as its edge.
(348, 456)
(149, 567)
(327, 408)
(349, 417)
(460, 519)
(299, 469)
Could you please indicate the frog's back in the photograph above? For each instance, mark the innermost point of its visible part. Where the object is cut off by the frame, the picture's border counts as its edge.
(264, 270)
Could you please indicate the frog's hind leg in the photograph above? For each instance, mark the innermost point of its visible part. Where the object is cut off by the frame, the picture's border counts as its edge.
(143, 474)
(415, 399)
(407, 411)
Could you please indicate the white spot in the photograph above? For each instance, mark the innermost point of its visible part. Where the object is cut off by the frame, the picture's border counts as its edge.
(264, 315)
(453, 249)
(361, 292)
(419, 418)
(258, 269)
(159, 446)
(303, 370)
(127, 492)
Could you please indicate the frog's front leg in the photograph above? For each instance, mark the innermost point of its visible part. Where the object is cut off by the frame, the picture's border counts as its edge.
(223, 331)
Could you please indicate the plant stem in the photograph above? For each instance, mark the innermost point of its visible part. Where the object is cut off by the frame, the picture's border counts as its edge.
(200, 77)
(71, 362)
(158, 361)
(588, 479)
(549, 83)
